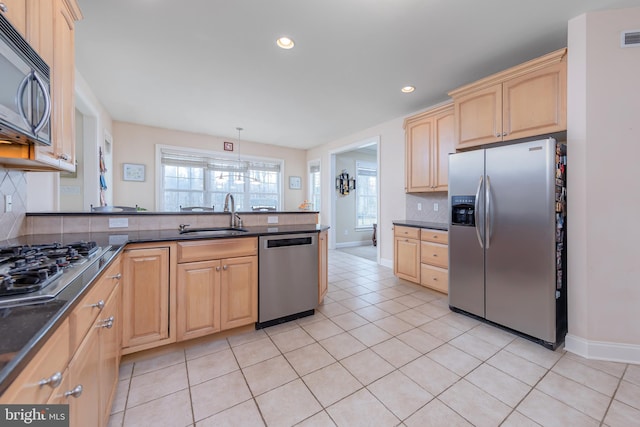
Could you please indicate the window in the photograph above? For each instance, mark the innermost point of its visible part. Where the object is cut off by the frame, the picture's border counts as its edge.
(314, 185)
(366, 194)
(198, 178)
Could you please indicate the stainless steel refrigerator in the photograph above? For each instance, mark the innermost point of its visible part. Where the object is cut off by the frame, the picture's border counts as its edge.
(507, 251)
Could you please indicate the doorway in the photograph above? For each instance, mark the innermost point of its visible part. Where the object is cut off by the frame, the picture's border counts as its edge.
(354, 195)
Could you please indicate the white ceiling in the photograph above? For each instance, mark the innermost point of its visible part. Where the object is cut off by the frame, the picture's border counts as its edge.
(209, 66)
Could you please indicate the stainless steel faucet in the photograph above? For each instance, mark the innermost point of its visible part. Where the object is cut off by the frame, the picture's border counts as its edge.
(228, 197)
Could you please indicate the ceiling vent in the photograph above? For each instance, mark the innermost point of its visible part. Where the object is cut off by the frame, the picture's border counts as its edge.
(630, 38)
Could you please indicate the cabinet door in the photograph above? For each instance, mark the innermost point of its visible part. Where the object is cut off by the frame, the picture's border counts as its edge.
(536, 103)
(110, 333)
(84, 391)
(418, 155)
(145, 296)
(406, 262)
(198, 309)
(16, 14)
(45, 367)
(478, 117)
(40, 28)
(323, 253)
(434, 277)
(61, 153)
(239, 292)
(444, 145)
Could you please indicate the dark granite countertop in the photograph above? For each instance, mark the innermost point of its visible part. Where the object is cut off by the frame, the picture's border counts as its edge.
(24, 329)
(422, 224)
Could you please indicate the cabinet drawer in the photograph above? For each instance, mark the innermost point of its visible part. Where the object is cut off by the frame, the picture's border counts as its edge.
(204, 250)
(434, 277)
(434, 254)
(435, 236)
(51, 359)
(86, 312)
(408, 232)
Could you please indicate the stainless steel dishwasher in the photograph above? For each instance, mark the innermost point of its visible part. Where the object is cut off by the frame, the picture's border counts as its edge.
(288, 277)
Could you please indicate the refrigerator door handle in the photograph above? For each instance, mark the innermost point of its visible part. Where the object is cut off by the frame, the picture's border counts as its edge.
(487, 215)
(475, 213)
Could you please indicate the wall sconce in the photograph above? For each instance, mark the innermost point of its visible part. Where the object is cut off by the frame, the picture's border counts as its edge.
(344, 184)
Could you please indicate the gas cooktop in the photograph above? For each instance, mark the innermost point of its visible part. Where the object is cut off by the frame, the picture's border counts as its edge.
(34, 273)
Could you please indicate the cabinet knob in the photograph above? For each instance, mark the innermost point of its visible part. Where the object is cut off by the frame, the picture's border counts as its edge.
(116, 277)
(64, 156)
(435, 279)
(498, 135)
(53, 381)
(504, 134)
(224, 267)
(3, 7)
(435, 256)
(99, 304)
(107, 323)
(217, 268)
(76, 392)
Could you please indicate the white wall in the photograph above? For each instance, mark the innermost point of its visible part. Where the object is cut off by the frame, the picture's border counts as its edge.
(603, 187)
(133, 143)
(43, 187)
(390, 178)
(346, 232)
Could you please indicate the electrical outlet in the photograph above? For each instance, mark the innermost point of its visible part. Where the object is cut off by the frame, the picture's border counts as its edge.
(272, 220)
(346, 232)
(8, 203)
(419, 206)
(435, 207)
(118, 222)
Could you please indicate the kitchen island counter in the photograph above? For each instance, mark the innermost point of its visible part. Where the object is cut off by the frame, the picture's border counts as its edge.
(25, 328)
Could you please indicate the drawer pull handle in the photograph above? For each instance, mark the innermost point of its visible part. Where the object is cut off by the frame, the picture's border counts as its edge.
(99, 305)
(435, 279)
(116, 277)
(107, 323)
(435, 255)
(53, 381)
(76, 392)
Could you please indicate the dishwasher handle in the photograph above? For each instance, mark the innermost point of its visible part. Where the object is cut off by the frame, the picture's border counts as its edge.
(288, 241)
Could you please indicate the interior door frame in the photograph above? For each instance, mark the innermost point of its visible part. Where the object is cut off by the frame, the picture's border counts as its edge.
(330, 181)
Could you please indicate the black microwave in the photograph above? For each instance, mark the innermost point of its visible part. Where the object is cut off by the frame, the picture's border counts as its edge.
(25, 100)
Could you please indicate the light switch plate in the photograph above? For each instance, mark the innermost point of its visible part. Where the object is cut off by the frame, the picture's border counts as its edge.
(272, 220)
(118, 222)
(436, 207)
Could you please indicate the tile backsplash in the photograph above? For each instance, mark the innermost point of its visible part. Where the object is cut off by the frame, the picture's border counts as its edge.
(12, 183)
(428, 213)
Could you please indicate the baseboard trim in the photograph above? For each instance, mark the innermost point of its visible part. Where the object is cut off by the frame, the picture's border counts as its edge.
(386, 263)
(353, 244)
(601, 350)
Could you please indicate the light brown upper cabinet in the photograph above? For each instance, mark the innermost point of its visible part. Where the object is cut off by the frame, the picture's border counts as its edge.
(527, 100)
(16, 13)
(429, 138)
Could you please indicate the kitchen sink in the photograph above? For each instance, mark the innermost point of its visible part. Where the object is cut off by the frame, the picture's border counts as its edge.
(214, 231)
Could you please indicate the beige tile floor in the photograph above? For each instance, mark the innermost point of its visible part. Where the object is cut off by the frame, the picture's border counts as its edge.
(378, 352)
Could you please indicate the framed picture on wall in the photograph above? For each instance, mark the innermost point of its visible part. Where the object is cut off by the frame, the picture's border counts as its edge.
(132, 172)
(295, 182)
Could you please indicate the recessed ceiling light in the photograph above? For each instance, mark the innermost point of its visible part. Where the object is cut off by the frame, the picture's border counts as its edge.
(408, 89)
(285, 43)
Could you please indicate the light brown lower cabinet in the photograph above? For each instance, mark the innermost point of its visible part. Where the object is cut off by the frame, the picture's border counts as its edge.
(78, 365)
(216, 294)
(422, 256)
(147, 297)
(406, 254)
